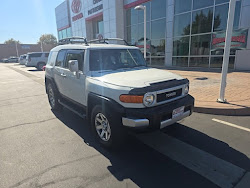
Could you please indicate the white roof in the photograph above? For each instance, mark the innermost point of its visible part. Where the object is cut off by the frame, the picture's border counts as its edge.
(92, 46)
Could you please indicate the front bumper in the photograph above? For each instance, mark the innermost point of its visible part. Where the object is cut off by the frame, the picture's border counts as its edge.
(157, 117)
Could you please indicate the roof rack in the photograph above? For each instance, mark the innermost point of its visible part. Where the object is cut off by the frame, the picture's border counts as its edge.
(104, 41)
(73, 40)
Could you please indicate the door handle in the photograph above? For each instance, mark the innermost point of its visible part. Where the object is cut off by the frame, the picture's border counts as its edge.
(63, 75)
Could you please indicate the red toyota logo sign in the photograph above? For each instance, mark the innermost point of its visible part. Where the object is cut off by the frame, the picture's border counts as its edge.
(76, 6)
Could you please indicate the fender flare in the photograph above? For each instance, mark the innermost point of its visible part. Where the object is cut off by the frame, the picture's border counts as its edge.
(108, 104)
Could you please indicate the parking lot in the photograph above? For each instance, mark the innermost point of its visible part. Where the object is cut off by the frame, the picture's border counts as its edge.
(41, 148)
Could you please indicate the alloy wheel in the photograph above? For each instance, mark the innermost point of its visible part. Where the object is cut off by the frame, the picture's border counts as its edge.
(102, 127)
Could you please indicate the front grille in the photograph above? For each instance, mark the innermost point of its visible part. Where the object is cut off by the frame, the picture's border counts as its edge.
(168, 95)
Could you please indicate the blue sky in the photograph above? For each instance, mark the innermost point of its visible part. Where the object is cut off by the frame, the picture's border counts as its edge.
(27, 20)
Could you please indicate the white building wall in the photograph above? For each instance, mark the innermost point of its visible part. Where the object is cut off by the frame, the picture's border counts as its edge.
(113, 18)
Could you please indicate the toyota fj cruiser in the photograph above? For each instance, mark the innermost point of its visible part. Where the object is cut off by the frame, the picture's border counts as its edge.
(111, 86)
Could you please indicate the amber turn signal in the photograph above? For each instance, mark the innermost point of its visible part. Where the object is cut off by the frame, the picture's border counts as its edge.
(131, 99)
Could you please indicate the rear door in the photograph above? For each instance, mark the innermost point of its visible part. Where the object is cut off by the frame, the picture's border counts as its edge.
(73, 86)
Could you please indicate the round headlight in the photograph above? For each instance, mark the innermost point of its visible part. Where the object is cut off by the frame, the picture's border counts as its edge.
(149, 99)
(186, 89)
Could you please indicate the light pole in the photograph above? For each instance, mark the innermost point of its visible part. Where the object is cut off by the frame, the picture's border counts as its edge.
(17, 50)
(141, 7)
(42, 46)
(230, 21)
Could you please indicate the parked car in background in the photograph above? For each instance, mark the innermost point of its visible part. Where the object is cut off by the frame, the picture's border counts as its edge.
(5, 60)
(11, 60)
(36, 59)
(22, 59)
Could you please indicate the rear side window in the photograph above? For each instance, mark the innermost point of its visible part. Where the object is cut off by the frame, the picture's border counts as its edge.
(46, 54)
(35, 55)
(60, 58)
(51, 58)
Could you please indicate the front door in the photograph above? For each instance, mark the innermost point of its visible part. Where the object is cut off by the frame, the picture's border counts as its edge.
(73, 85)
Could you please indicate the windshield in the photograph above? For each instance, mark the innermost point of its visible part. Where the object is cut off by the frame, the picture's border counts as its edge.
(112, 59)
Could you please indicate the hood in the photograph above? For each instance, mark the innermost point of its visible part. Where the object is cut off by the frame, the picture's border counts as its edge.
(135, 78)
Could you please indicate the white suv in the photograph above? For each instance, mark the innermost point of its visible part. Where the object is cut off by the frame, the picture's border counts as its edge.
(111, 86)
(36, 59)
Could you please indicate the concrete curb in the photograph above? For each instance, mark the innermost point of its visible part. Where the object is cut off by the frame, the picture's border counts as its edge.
(223, 111)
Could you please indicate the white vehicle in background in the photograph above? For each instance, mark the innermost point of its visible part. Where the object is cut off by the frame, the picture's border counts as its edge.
(11, 60)
(36, 59)
(22, 59)
(111, 86)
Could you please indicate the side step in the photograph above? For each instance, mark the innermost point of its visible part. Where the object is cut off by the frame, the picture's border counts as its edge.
(72, 109)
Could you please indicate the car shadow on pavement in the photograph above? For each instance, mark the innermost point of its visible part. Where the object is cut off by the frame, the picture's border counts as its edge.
(136, 161)
(208, 144)
(35, 70)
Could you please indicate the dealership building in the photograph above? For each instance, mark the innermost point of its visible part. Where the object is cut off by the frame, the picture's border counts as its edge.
(180, 33)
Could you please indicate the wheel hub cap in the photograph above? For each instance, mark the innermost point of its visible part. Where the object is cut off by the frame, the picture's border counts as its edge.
(102, 127)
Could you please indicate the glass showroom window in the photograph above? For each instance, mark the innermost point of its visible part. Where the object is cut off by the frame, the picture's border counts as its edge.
(69, 34)
(156, 29)
(220, 17)
(158, 9)
(199, 62)
(180, 61)
(221, 1)
(216, 62)
(157, 52)
(182, 24)
(220, 21)
(182, 6)
(197, 4)
(181, 46)
(200, 44)
(202, 21)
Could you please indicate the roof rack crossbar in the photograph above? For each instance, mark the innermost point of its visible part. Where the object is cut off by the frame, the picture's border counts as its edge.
(73, 40)
(107, 39)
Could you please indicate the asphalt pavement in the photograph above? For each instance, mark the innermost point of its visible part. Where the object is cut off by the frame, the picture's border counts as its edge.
(41, 148)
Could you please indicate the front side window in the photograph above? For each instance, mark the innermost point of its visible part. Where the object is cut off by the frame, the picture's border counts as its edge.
(113, 59)
(75, 55)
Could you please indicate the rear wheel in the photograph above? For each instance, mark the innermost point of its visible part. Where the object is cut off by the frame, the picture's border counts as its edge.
(106, 128)
(40, 66)
(53, 97)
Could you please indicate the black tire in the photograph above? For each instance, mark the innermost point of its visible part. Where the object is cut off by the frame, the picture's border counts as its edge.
(40, 65)
(116, 131)
(53, 97)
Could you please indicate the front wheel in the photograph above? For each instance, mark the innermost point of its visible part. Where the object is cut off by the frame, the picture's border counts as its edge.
(106, 128)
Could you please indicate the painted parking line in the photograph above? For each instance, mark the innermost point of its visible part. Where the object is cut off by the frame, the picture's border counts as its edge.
(231, 125)
(218, 171)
